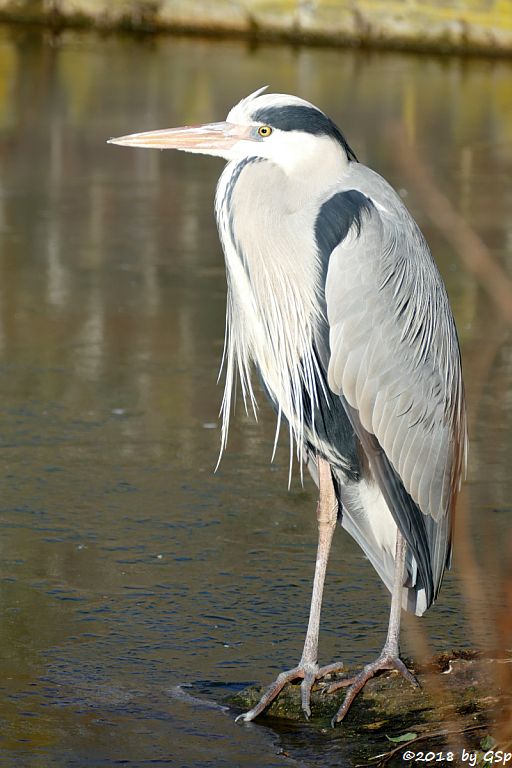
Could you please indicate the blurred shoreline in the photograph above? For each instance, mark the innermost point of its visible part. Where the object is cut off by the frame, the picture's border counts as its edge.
(469, 27)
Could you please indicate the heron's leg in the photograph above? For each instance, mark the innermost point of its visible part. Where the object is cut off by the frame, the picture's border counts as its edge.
(307, 668)
(389, 657)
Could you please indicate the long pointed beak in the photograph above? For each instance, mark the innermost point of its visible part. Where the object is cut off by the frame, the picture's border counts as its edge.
(212, 137)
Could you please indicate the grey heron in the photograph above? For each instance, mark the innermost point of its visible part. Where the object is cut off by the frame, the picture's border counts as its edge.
(334, 297)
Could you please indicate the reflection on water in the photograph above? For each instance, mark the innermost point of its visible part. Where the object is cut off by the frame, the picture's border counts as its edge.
(127, 567)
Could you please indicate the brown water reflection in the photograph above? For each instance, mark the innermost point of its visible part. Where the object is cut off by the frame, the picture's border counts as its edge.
(127, 567)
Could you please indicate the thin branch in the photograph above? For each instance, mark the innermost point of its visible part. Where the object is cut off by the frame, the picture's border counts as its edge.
(470, 248)
(383, 759)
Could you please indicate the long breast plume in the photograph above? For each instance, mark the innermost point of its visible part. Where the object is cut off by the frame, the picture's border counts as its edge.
(272, 308)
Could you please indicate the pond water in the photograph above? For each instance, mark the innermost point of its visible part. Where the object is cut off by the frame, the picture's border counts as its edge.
(137, 587)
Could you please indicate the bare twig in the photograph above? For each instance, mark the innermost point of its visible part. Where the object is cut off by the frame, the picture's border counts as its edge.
(380, 760)
(470, 249)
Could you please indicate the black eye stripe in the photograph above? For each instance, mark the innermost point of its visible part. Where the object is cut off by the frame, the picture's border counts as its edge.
(302, 118)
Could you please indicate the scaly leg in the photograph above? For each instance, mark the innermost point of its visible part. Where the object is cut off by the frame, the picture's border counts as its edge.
(389, 657)
(307, 668)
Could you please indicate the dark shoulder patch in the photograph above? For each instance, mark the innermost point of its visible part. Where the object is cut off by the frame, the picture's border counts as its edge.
(336, 216)
(295, 117)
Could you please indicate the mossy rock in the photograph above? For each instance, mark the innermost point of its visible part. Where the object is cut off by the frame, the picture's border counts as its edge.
(462, 698)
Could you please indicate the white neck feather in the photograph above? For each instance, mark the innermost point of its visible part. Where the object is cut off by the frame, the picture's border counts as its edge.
(273, 275)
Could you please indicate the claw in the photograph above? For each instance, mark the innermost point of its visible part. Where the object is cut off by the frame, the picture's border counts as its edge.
(245, 717)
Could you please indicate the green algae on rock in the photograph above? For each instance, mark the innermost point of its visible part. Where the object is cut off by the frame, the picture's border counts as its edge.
(461, 700)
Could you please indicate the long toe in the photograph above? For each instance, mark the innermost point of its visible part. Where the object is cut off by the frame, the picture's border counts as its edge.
(309, 673)
(305, 692)
(406, 673)
(271, 693)
(356, 684)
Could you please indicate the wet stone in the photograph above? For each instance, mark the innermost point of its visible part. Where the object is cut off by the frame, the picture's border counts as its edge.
(461, 702)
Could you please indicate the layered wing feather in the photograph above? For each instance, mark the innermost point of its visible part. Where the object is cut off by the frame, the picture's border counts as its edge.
(395, 362)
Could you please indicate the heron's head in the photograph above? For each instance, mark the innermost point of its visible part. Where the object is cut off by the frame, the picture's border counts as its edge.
(283, 129)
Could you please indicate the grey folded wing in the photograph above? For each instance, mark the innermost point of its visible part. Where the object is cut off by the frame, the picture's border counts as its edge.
(395, 362)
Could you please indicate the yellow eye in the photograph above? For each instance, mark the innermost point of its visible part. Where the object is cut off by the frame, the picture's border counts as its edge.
(264, 130)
